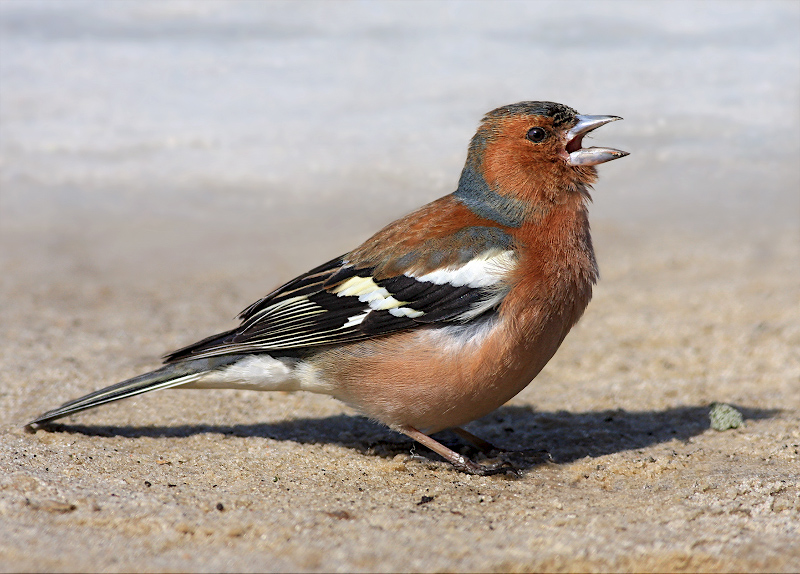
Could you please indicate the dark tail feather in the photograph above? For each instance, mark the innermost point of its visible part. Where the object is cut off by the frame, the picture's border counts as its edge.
(164, 378)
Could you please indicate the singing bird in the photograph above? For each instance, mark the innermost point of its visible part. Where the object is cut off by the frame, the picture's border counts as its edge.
(441, 316)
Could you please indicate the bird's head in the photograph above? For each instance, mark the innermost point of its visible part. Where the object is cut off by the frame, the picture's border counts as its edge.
(532, 151)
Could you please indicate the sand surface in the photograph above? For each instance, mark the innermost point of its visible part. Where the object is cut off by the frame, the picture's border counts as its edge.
(134, 220)
(621, 470)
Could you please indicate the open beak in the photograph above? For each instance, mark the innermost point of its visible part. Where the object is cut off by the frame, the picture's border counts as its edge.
(590, 155)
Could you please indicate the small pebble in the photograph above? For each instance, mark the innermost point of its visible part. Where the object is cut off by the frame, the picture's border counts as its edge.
(724, 417)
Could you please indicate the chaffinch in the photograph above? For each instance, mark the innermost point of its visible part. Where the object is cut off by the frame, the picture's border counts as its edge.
(441, 316)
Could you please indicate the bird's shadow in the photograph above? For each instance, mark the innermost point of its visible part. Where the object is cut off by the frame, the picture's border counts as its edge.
(558, 436)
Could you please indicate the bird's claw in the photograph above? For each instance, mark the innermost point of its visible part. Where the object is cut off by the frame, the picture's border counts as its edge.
(488, 469)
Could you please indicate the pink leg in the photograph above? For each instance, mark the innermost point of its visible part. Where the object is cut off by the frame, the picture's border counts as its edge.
(461, 462)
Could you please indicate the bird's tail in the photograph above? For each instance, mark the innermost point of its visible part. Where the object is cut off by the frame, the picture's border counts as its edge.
(169, 376)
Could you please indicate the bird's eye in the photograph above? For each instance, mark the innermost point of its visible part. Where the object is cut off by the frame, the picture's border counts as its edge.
(536, 135)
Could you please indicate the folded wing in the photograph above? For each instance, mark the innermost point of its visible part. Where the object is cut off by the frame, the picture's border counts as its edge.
(341, 302)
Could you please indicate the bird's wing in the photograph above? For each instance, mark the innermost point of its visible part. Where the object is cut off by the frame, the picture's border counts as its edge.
(342, 301)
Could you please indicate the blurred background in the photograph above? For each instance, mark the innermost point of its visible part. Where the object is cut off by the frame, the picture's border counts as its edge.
(138, 135)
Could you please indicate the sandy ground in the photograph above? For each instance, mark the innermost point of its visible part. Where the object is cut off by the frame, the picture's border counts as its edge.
(619, 469)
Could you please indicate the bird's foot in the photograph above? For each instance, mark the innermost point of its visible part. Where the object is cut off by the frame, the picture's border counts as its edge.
(486, 468)
(459, 461)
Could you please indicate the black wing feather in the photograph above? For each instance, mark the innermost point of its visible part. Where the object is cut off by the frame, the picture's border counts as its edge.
(308, 312)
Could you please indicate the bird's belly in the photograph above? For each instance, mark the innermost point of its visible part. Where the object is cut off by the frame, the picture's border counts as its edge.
(433, 379)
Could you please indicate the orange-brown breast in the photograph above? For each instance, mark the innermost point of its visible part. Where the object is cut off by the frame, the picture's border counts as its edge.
(437, 377)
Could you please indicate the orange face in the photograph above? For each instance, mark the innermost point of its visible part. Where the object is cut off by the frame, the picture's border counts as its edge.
(528, 156)
(530, 152)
